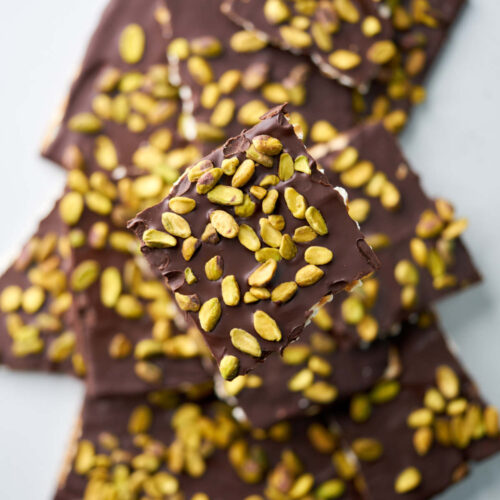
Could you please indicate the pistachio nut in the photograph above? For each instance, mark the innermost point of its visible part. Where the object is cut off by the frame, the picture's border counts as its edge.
(245, 342)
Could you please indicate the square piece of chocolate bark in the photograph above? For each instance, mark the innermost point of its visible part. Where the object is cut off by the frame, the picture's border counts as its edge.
(252, 240)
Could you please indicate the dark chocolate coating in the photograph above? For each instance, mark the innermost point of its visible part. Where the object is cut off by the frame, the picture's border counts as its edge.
(97, 325)
(353, 258)
(15, 275)
(220, 481)
(353, 370)
(381, 148)
(325, 99)
(421, 351)
(388, 309)
(250, 14)
(420, 36)
(103, 54)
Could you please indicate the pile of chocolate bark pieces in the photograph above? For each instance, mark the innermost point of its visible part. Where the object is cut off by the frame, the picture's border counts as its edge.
(252, 319)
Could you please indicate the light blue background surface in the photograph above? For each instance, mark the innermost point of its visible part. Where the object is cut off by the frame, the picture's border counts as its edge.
(453, 141)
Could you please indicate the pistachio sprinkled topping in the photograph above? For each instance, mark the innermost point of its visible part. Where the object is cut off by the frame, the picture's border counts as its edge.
(167, 461)
(320, 31)
(237, 188)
